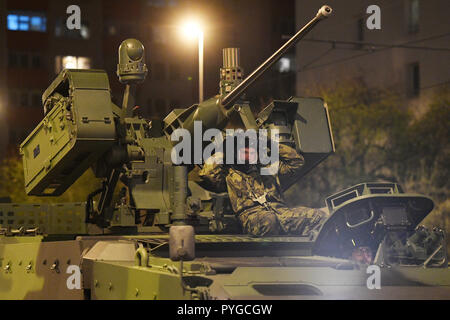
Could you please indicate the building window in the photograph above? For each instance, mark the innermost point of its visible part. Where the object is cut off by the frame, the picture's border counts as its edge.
(121, 28)
(160, 106)
(161, 3)
(286, 64)
(71, 62)
(413, 16)
(17, 136)
(128, 28)
(175, 73)
(24, 60)
(111, 30)
(160, 71)
(62, 31)
(26, 21)
(287, 27)
(413, 80)
(23, 99)
(36, 99)
(159, 34)
(361, 24)
(13, 136)
(174, 104)
(13, 59)
(84, 31)
(13, 98)
(36, 61)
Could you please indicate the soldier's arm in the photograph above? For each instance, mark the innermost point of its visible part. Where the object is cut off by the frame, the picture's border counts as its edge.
(289, 164)
(213, 174)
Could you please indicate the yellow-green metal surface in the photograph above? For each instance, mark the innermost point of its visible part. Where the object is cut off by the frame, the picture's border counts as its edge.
(77, 129)
(32, 269)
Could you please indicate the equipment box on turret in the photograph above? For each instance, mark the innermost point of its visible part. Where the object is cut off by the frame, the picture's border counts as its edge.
(78, 128)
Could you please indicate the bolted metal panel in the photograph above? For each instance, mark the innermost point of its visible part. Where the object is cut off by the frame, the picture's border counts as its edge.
(77, 129)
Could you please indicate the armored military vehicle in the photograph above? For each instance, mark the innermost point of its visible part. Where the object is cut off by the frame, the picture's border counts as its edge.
(166, 237)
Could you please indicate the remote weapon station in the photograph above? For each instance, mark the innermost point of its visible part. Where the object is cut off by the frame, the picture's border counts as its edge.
(164, 236)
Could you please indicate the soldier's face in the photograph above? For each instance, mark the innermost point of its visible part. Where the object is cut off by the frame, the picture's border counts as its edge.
(362, 255)
(248, 155)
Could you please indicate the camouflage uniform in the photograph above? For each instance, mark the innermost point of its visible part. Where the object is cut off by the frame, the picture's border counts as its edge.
(258, 200)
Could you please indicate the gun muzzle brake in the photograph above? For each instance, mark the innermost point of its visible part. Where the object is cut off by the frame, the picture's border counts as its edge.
(324, 12)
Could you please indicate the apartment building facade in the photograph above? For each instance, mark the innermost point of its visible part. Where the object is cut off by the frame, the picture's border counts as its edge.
(408, 54)
(36, 45)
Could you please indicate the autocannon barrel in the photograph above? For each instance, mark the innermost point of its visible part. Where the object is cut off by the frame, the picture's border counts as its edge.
(231, 97)
(215, 112)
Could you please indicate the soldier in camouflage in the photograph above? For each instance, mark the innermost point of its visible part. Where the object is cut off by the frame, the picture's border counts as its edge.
(257, 199)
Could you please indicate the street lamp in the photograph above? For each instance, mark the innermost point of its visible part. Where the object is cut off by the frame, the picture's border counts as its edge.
(193, 29)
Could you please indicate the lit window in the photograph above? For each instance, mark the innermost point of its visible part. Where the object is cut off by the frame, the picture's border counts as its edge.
(26, 22)
(284, 65)
(71, 62)
(84, 31)
(36, 23)
(83, 63)
(13, 22)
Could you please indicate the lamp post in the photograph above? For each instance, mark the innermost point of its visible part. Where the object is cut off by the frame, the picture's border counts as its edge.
(193, 29)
